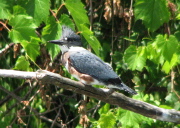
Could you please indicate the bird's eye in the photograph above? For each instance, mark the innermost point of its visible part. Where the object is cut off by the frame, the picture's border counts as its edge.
(66, 38)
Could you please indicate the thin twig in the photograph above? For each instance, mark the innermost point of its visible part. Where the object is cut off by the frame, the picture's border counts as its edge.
(55, 119)
(96, 108)
(14, 105)
(172, 84)
(19, 99)
(43, 113)
(59, 9)
(130, 16)
(4, 25)
(72, 119)
(112, 30)
(7, 98)
(54, 14)
(6, 48)
(91, 14)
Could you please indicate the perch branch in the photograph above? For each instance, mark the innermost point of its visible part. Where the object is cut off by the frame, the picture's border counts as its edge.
(116, 98)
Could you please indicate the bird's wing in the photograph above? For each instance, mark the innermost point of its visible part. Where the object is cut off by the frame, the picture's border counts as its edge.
(87, 63)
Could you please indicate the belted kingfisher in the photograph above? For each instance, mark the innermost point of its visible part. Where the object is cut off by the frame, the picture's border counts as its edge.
(84, 65)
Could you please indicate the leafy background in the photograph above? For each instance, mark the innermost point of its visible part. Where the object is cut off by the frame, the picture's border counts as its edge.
(140, 39)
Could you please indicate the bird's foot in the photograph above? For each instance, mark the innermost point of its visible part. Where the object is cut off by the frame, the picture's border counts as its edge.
(109, 92)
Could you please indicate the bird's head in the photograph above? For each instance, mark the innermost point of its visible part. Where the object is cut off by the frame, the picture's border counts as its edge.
(69, 38)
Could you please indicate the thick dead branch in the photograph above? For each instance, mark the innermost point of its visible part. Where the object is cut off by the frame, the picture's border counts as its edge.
(118, 99)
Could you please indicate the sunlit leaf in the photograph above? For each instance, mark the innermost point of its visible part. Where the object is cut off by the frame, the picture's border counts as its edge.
(130, 119)
(32, 48)
(22, 64)
(165, 106)
(178, 17)
(169, 65)
(153, 13)
(76, 9)
(38, 9)
(153, 54)
(4, 9)
(135, 57)
(107, 120)
(104, 109)
(23, 28)
(18, 10)
(91, 39)
(52, 31)
(66, 20)
(168, 46)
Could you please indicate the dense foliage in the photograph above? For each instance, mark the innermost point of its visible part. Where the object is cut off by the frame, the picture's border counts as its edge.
(140, 39)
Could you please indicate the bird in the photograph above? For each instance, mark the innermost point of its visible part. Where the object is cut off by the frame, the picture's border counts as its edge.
(85, 66)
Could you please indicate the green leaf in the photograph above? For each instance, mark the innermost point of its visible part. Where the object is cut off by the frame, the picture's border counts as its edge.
(169, 65)
(23, 28)
(104, 109)
(4, 9)
(22, 64)
(107, 120)
(18, 10)
(153, 13)
(176, 106)
(135, 57)
(153, 54)
(167, 46)
(130, 119)
(165, 106)
(171, 98)
(178, 17)
(177, 35)
(166, 67)
(65, 20)
(52, 31)
(37, 9)
(77, 11)
(91, 39)
(32, 48)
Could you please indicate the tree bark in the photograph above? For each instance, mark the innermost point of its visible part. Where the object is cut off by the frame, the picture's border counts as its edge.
(115, 98)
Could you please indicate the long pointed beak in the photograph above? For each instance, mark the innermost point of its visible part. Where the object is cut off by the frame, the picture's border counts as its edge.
(60, 42)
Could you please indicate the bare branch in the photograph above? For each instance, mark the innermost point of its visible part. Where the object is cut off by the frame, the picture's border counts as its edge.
(118, 99)
(2, 101)
(19, 99)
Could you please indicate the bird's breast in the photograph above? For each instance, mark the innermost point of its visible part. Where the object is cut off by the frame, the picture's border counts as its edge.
(65, 57)
(84, 78)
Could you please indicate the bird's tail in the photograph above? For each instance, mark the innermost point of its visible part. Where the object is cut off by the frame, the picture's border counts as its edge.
(127, 89)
